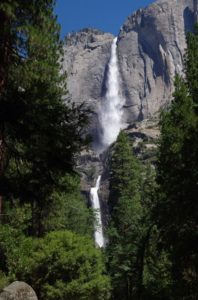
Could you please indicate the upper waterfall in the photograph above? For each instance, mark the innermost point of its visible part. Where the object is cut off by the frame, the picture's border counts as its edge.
(111, 113)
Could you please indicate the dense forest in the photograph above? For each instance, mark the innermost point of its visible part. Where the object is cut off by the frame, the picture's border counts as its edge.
(46, 225)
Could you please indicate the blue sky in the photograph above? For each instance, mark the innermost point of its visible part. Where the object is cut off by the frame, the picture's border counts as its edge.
(107, 15)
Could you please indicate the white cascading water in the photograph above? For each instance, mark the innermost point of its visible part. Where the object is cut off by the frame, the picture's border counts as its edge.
(111, 113)
(111, 121)
(98, 234)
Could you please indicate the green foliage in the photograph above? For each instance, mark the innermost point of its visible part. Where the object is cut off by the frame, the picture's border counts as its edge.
(15, 249)
(177, 175)
(66, 266)
(41, 130)
(157, 280)
(176, 164)
(124, 167)
(67, 209)
(125, 230)
(139, 268)
(62, 265)
(16, 215)
(4, 280)
(191, 65)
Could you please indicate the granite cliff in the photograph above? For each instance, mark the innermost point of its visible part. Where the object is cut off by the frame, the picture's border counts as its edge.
(151, 46)
(151, 51)
(86, 56)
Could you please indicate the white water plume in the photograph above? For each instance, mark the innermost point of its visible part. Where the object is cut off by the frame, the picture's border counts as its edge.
(111, 122)
(111, 113)
(98, 233)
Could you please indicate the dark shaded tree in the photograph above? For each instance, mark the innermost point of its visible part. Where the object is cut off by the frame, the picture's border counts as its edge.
(177, 175)
(41, 132)
(125, 231)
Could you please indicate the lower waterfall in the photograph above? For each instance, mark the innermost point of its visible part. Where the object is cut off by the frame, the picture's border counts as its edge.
(98, 234)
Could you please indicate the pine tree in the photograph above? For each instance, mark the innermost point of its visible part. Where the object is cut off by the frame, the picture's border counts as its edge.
(40, 133)
(125, 231)
(178, 176)
(191, 65)
(123, 168)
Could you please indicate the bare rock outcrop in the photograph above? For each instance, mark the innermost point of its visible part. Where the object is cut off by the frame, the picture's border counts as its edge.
(86, 56)
(151, 46)
(18, 290)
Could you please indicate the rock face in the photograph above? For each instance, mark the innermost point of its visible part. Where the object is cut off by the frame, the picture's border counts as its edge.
(151, 46)
(18, 291)
(86, 56)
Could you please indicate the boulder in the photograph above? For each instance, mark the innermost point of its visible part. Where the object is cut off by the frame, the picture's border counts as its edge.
(18, 290)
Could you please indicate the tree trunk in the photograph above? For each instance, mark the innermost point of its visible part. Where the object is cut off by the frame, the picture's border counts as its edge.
(4, 49)
(1, 204)
(4, 63)
(145, 243)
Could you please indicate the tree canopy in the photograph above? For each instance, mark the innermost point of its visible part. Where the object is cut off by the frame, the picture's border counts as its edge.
(177, 175)
(41, 131)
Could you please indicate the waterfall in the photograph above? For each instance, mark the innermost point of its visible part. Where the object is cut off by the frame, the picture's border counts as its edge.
(111, 121)
(98, 234)
(111, 113)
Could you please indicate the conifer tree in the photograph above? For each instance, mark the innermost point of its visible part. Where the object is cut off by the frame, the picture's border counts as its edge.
(191, 65)
(178, 176)
(123, 169)
(40, 134)
(125, 232)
